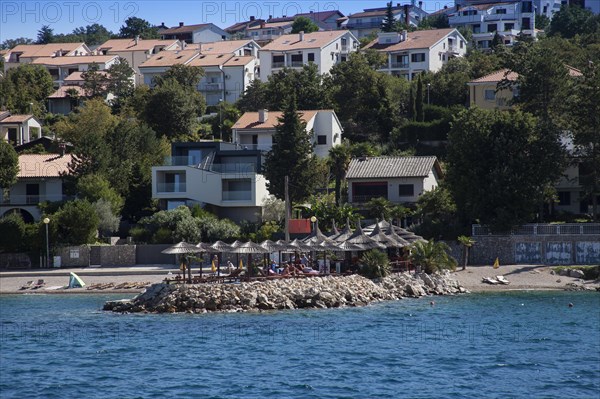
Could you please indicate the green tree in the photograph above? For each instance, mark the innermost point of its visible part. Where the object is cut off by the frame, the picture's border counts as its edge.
(187, 76)
(172, 110)
(10, 43)
(541, 21)
(499, 164)
(419, 114)
(135, 26)
(375, 264)
(292, 156)
(307, 85)
(466, 243)
(108, 222)
(380, 207)
(439, 21)
(389, 22)
(94, 187)
(304, 24)
(26, 88)
(412, 105)
(45, 35)
(95, 82)
(432, 256)
(254, 98)
(569, 21)
(77, 223)
(119, 82)
(437, 211)
(9, 165)
(339, 160)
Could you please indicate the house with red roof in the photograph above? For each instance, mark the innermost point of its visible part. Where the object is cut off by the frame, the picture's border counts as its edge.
(410, 53)
(40, 179)
(19, 129)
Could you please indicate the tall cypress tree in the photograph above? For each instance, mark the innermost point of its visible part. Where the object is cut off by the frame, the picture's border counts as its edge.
(411, 105)
(389, 22)
(291, 155)
(419, 101)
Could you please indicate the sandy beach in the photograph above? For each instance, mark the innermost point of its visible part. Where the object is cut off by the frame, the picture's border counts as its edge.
(111, 280)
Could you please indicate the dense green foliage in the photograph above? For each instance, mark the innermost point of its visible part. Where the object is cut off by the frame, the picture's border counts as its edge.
(374, 264)
(432, 256)
(9, 165)
(304, 24)
(135, 26)
(24, 89)
(76, 223)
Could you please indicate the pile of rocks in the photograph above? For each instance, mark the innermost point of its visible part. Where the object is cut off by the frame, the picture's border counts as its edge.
(293, 293)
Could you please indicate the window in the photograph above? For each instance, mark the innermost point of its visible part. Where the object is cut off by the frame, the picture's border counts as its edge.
(236, 190)
(418, 57)
(311, 57)
(296, 59)
(406, 190)
(509, 26)
(490, 95)
(321, 139)
(500, 10)
(492, 28)
(526, 23)
(564, 198)
(476, 28)
(526, 6)
(462, 44)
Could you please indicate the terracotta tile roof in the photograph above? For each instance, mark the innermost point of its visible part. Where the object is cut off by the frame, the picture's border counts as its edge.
(385, 167)
(183, 29)
(78, 60)
(249, 120)
(375, 12)
(204, 60)
(417, 39)
(239, 60)
(43, 165)
(311, 40)
(129, 44)
(170, 58)
(62, 91)
(17, 118)
(497, 76)
(45, 50)
(75, 77)
(280, 24)
(320, 16)
(223, 47)
(239, 26)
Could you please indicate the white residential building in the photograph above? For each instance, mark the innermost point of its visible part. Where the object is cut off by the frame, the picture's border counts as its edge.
(509, 19)
(136, 51)
(27, 53)
(255, 130)
(226, 76)
(200, 33)
(226, 181)
(369, 21)
(19, 129)
(61, 67)
(325, 49)
(269, 30)
(410, 53)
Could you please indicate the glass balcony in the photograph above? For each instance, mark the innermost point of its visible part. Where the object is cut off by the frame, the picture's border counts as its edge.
(233, 168)
(278, 64)
(237, 195)
(399, 65)
(170, 187)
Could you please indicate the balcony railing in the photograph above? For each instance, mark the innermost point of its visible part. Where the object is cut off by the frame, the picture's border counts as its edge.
(296, 64)
(399, 65)
(364, 198)
(233, 168)
(542, 229)
(237, 195)
(363, 25)
(32, 199)
(211, 87)
(181, 161)
(277, 64)
(170, 187)
(259, 147)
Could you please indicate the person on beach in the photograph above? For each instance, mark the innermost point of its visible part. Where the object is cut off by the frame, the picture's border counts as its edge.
(230, 267)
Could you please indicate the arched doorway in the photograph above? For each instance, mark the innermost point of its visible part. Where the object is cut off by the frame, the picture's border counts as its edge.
(27, 217)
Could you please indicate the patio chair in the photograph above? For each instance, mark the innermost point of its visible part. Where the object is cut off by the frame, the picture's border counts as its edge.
(40, 283)
(27, 285)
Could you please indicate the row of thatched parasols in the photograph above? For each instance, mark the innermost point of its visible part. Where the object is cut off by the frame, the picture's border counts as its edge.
(373, 237)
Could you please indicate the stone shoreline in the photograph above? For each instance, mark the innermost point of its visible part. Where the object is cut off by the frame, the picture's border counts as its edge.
(293, 293)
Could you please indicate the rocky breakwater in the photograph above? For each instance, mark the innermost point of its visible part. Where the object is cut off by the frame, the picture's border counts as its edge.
(293, 293)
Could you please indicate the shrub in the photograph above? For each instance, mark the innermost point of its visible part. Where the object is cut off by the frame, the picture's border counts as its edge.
(375, 264)
(432, 256)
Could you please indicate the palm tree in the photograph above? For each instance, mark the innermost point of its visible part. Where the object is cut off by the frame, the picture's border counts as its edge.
(467, 243)
(339, 160)
(380, 207)
(432, 256)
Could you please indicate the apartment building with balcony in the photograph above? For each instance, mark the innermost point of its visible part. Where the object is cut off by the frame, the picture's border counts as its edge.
(411, 53)
(401, 180)
(199, 33)
(136, 51)
(40, 179)
(226, 76)
(325, 49)
(61, 67)
(267, 31)
(325, 20)
(508, 19)
(218, 176)
(255, 130)
(27, 53)
(363, 24)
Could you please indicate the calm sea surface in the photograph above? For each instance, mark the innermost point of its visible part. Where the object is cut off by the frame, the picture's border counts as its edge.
(521, 344)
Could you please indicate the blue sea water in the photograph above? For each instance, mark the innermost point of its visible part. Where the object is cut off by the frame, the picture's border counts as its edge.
(495, 345)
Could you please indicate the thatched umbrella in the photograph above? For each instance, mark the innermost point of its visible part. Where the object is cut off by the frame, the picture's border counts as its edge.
(219, 247)
(300, 246)
(359, 237)
(272, 247)
(318, 241)
(409, 235)
(390, 241)
(249, 248)
(344, 234)
(183, 248)
(334, 231)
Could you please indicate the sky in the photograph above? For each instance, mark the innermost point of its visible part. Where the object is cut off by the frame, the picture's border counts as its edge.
(20, 18)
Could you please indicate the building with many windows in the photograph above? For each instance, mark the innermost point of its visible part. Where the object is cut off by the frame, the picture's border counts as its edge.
(369, 21)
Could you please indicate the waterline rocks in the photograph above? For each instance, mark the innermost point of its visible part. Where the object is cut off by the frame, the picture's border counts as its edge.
(293, 293)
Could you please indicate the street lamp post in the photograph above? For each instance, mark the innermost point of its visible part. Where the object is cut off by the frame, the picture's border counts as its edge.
(428, 86)
(221, 119)
(313, 220)
(46, 222)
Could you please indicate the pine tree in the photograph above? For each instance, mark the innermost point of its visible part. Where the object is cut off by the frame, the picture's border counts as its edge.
(389, 22)
(420, 116)
(291, 155)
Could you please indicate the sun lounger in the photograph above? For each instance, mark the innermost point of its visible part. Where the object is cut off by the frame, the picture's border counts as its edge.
(27, 285)
(502, 280)
(40, 283)
(490, 280)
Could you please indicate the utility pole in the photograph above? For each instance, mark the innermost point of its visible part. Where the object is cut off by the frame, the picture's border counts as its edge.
(287, 209)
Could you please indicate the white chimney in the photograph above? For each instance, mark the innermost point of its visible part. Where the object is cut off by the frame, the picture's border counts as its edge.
(137, 39)
(404, 35)
(263, 115)
(301, 35)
